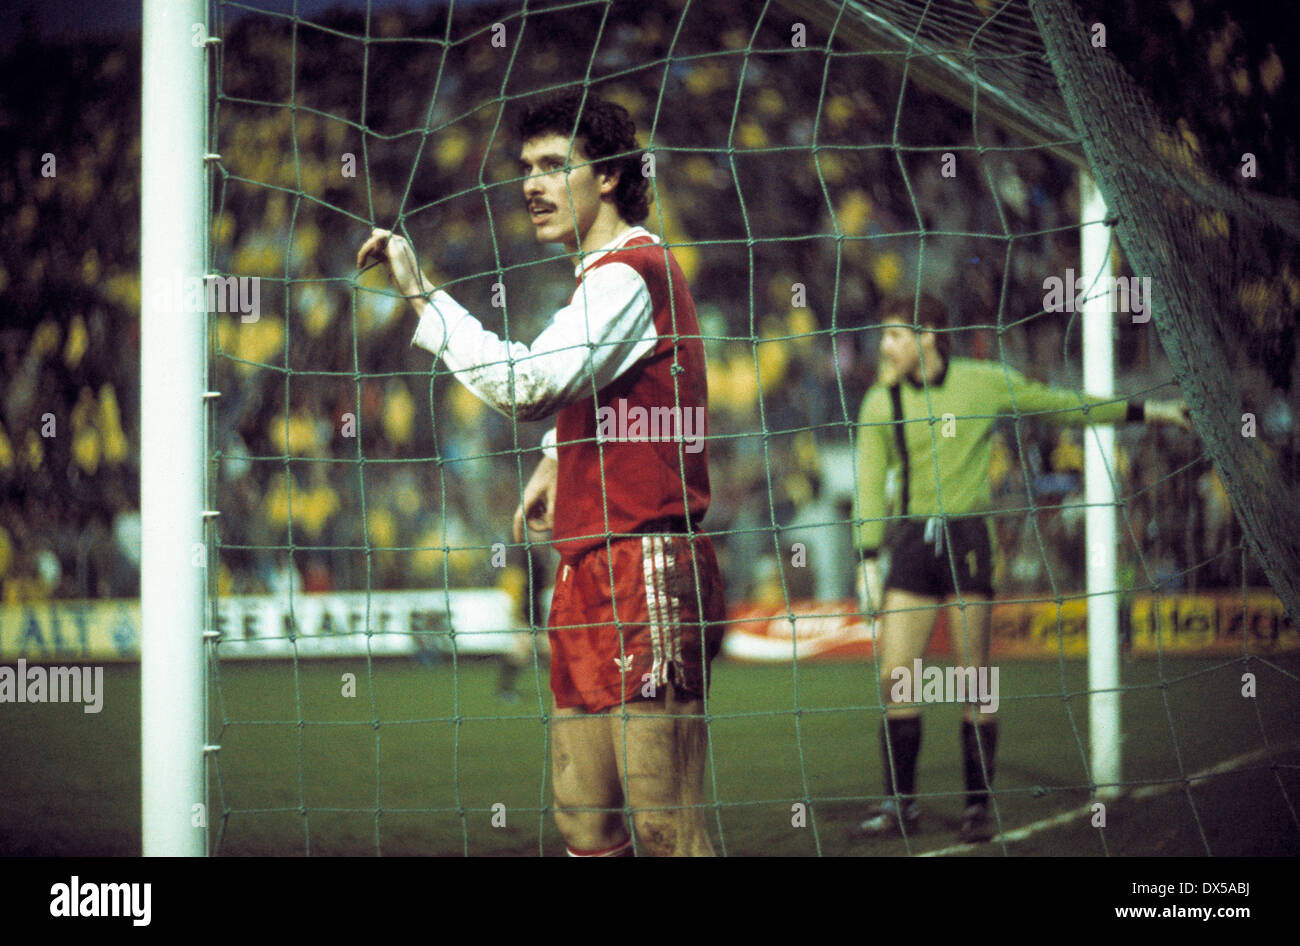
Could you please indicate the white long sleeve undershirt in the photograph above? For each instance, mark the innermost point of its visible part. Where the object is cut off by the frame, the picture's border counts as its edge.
(589, 343)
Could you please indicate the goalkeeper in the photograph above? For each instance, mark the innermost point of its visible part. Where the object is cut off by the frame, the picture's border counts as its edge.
(637, 608)
(931, 417)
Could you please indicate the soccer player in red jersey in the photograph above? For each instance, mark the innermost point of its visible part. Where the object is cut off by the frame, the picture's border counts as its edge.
(623, 483)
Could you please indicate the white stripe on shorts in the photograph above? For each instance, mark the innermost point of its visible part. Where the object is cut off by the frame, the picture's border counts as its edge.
(674, 609)
(653, 607)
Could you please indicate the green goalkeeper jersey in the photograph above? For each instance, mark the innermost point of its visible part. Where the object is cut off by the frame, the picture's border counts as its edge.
(948, 428)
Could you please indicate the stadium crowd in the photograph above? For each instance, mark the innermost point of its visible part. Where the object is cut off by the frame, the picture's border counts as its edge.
(333, 438)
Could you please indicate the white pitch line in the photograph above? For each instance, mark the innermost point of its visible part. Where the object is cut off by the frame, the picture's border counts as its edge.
(1146, 791)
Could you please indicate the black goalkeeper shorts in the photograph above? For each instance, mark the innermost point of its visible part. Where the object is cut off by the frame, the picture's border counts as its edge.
(938, 557)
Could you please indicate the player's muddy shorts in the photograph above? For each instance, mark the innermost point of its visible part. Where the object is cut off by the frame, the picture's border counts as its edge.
(937, 558)
(663, 621)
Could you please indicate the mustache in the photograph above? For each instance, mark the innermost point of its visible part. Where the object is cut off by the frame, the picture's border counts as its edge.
(538, 205)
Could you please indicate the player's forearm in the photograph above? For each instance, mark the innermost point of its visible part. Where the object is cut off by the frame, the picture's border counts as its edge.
(869, 503)
(1070, 408)
(506, 376)
(870, 528)
(418, 293)
(873, 457)
(590, 342)
(1100, 410)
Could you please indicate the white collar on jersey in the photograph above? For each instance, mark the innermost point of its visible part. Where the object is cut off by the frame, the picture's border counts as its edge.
(589, 259)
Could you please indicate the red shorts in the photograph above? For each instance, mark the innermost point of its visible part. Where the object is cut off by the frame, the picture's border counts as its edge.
(663, 621)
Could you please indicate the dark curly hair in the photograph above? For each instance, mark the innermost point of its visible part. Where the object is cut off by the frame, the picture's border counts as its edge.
(606, 130)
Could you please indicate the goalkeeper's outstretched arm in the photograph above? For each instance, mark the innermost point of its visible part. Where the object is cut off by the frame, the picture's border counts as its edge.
(1067, 407)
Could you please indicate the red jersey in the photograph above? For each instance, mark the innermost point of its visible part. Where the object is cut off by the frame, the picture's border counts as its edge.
(634, 459)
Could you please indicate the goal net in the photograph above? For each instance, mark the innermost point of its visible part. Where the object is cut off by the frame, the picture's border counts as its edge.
(808, 160)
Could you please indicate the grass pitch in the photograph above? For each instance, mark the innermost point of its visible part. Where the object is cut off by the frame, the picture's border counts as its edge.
(415, 762)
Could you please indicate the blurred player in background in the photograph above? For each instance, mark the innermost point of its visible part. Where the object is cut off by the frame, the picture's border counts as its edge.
(940, 549)
(524, 584)
(638, 601)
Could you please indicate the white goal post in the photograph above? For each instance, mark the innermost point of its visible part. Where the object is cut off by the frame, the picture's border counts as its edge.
(1099, 491)
(173, 215)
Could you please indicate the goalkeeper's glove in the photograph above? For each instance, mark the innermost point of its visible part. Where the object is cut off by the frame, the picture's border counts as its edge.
(870, 588)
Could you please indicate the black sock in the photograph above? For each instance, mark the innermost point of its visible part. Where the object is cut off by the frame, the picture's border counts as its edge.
(905, 738)
(978, 782)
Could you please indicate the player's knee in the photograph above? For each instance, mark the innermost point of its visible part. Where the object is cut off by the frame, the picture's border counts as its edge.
(891, 693)
(887, 687)
(589, 829)
(586, 822)
(659, 833)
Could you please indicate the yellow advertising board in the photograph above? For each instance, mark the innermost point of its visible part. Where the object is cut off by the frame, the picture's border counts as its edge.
(71, 631)
(1173, 624)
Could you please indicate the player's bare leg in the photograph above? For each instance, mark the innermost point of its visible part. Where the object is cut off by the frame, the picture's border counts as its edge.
(588, 793)
(665, 742)
(906, 626)
(970, 620)
(905, 629)
(970, 628)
